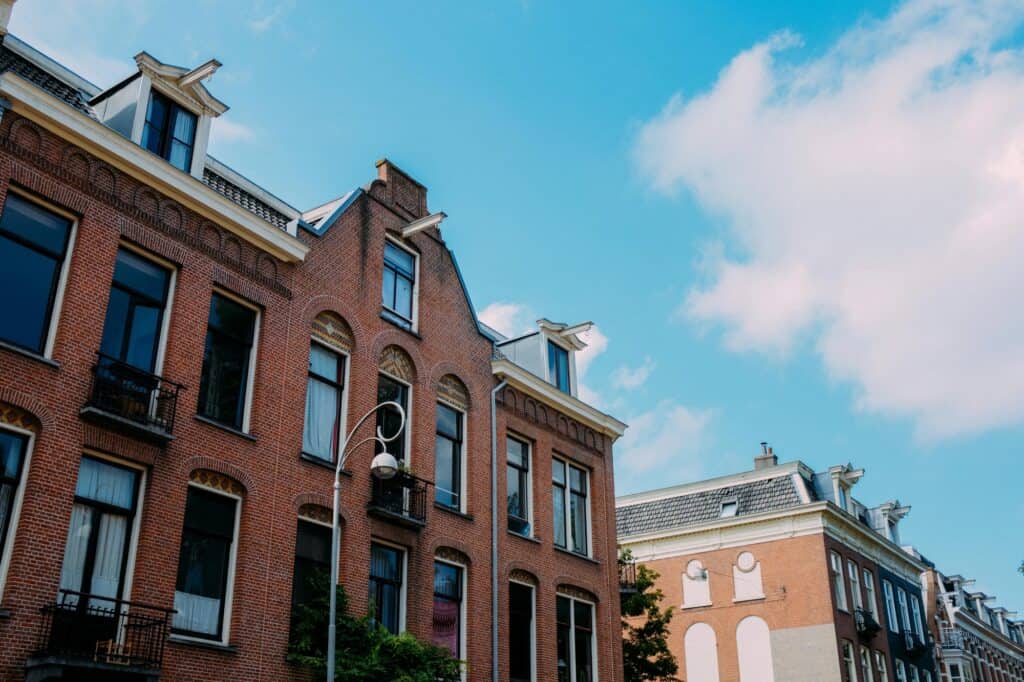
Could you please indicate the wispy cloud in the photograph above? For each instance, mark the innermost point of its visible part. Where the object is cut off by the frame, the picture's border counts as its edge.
(511, 319)
(225, 132)
(632, 378)
(875, 194)
(265, 17)
(597, 344)
(668, 440)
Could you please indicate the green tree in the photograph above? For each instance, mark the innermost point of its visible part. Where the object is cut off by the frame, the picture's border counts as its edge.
(365, 651)
(645, 653)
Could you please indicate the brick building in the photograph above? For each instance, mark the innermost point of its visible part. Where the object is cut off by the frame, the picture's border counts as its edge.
(779, 574)
(185, 354)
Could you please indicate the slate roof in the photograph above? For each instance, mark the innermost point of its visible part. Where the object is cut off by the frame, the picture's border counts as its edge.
(222, 185)
(10, 61)
(754, 497)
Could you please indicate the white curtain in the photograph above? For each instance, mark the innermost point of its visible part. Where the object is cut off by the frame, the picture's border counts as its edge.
(106, 572)
(75, 550)
(321, 413)
(105, 483)
(196, 613)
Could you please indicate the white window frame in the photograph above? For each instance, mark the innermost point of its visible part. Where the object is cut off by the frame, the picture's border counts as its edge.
(850, 661)
(407, 448)
(250, 380)
(914, 675)
(568, 512)
(901, 598)
(869, 594)
(343, 412)
(463, 488)
(865, 665)
(918, 624)
(374, 540)
(569, 360)
(533, 628)
(19, 497)
(414, 322)
(529, 482)
(958, 675)
(65, 266)
(572, 634)
(229, 588)
(463, 599)
(901, 671)
(838, 582)
(172, 281)
(853, 575)
(880, 666)
(890, 606)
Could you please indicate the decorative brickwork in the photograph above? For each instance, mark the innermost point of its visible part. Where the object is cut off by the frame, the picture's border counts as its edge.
(217, 481)
(452, 554)
(398, 364)
(576, 592)
(333, 330)
(315, 512)
(453, 391)
(15, 416)
(521, 576)
(547, 417)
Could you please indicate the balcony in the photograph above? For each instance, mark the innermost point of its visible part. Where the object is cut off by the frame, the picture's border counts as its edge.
(914, 644)
(952, 639)
(867, 626)
(401, 500)
(128, 399)
(627, 577)
(100, 637)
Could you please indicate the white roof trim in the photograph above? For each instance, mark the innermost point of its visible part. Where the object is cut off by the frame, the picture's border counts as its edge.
(56, 116)
(58, 70)
(423, 223)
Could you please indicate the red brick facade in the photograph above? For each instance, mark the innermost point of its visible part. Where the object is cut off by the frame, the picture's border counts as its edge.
(341, 274)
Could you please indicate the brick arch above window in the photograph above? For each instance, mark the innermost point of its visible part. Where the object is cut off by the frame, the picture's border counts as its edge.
(577, 592)
(13, 415)
(218, 473)
(24, 410)
(217, 481)
(395, 361)
(451, 389)
(315, 512)
(523, 576)
(332, 329)
(447, 553)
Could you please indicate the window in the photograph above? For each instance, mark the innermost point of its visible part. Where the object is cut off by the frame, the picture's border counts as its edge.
(926, 675)
(135, 311)
(869, 594)
(915, 605)
(837, 582)
(575, 623)
(518, 481)
(881, 668)
(387, 570)
(520, 633)
(955, 675)
(33, 249)
(914, 676)
(96, 552)
(399, 288)
(13, 453)
(901, 596)
(865, 665)
(169, 131)
(208, 545)
(325, 390)
(729, 509)
(446, 630)
(312, 564)
(448, 457)
(569, 497)
(853, 573)
(848, 662)
(227, 361)
(901, 671)
(388, 418)
(558, 366)
(890, 606)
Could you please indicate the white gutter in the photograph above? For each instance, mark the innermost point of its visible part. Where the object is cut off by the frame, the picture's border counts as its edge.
(494, 531)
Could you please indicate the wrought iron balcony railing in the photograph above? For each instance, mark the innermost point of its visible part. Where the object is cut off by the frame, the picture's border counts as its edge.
(134, 397)
(402, 498)
(866, 624)
(627, 577)
(100, 630)
(952, 638)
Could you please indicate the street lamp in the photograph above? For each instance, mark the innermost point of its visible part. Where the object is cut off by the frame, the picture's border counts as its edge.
(384, 466)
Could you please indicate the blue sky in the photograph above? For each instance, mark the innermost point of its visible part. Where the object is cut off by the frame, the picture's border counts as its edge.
(791, 221)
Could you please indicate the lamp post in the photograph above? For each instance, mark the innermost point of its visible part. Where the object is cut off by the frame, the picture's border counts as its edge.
(384, 466)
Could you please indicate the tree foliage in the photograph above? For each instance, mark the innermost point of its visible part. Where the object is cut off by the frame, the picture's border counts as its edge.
(645, 653)
(365, 651)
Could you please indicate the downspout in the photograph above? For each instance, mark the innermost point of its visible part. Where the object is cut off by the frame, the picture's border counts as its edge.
(494, 531)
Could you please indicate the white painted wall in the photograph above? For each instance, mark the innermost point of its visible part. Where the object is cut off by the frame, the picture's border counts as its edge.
(754, 650)
(701, 649)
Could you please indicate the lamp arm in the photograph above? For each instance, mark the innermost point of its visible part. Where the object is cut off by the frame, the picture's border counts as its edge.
(380, 437)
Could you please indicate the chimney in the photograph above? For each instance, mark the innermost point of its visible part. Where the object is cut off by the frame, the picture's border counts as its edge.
(401, 191)
(766, 459)
(5, 15)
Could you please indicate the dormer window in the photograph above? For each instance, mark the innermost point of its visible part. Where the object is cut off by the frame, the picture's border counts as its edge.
(558, 366)
(729, 508)
(169, 131)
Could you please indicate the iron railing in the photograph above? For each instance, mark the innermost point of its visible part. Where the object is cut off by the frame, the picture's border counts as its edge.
(133, 394)
(952, 638)
(104, 630)
(403, 496)
(627, 577)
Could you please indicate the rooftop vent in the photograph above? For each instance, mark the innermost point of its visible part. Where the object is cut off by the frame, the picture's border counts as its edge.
(766, 459)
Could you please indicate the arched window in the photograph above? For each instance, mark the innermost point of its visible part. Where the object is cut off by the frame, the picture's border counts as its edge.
(701, 650)
(754, 650)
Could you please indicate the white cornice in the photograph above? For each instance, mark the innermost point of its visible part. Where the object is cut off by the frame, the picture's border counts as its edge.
(530, 383)
(56, 116)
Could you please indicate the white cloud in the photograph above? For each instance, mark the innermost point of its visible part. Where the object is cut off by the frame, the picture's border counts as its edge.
(875, 194)
(225, 131)
(511, 319)
(597, 343)
(268, 17)
(662, 445)
(631, 378)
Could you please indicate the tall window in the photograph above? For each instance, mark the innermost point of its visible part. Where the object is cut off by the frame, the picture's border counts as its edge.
(880, 667)
(399, 284)
(386, 572)
(901, 671)
(853, 574)
(837, 581)
(135, 312)
(849, 663)
(520, 632)
(230, 340)
(869, 594)
(955, 674)
(558, 366)
(33, 247)
(446, 630)
(205, 563)
(13, 448)
(448, 457)
(518, 482)
(324, 390)
(915, 607)
(169, 131)
(901, 597)
(388, 419)
(96, 551)
(575, 645)
(569, 496)
(914, 676)
(890, 606)
(865, 665)
(312, 564)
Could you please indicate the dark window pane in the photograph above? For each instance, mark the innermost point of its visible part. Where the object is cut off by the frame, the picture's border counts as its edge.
(12, 453)
(141, 276)
(156, 123)
(226, 361)
(313, 542)
(558, 504)
(520, 646)
(446, 628)
(39, 227)
(558, 471)
(312, 563)
(577, 479)
(33, 275)
(578, 511)
(386, 586)
(202, 568)
(210, 513)
(388, 419)
(232, 318)
(558, 366)
(118, 310)
(564, 647)
(517, 452)
(446, 478)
